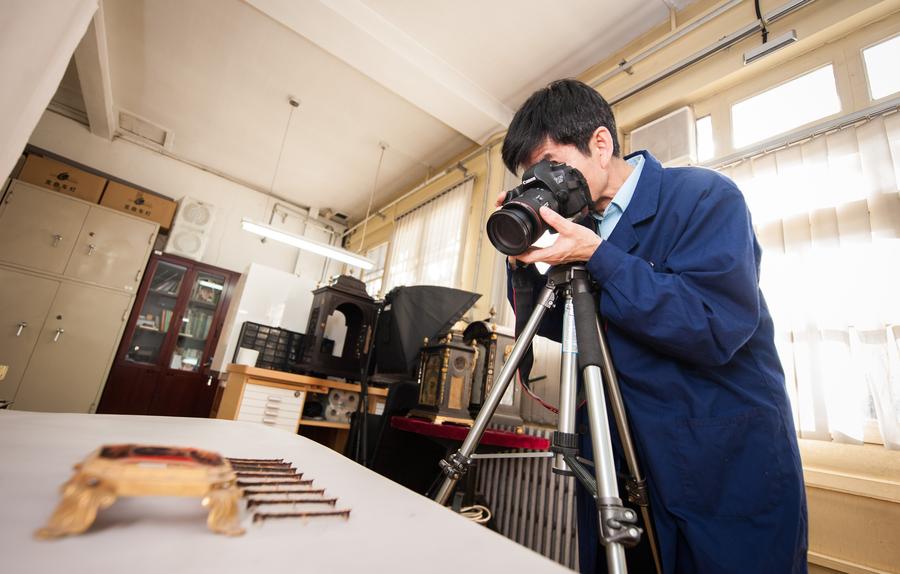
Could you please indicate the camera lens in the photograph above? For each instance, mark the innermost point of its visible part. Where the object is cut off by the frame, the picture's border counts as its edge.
(514, 228)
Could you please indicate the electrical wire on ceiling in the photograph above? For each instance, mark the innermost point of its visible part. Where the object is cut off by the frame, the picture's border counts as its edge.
(383, 147)
(287, 126)
(294, 104)
(762, 22)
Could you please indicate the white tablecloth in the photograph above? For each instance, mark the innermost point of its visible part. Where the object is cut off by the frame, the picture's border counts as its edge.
(390, 529)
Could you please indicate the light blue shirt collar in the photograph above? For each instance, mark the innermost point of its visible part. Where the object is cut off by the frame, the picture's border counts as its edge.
(613, 212)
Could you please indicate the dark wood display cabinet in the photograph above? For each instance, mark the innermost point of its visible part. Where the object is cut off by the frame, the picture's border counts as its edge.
(162, 365)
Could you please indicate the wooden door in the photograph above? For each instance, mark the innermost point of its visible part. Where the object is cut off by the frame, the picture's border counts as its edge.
(129, 389)
(24, 303)
(183, 394)
(38, 227)
(112, 249)
(73, 351)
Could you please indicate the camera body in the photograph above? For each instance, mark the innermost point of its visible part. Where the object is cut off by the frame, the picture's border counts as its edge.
(517, 224)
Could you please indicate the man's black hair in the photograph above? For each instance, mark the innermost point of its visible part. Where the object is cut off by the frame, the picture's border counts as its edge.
(567, 112)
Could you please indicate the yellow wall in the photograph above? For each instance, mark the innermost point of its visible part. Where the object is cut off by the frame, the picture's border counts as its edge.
(855, 520)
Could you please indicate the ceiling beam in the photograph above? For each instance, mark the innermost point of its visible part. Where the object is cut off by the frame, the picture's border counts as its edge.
(353, 32)
(92, 62)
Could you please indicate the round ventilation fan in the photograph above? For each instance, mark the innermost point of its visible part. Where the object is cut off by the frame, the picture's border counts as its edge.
(197, 214)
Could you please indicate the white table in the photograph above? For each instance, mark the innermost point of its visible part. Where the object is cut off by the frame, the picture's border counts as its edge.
(390, 529)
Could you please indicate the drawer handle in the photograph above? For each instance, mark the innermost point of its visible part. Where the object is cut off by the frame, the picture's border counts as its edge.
(56, 239)
(58, 333)
(20, 327)
(271, 411)
(268, 421)
(274, 399)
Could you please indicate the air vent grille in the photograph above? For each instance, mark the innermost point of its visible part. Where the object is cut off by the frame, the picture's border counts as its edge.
(143, 129)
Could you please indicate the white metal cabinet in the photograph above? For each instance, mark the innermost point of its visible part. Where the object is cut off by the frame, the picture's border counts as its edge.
(38, 227)
(112, 249)
(24, 303)
(73, 350)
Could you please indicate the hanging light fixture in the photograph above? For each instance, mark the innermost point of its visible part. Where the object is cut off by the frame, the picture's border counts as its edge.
(298, 241)
(307, 244)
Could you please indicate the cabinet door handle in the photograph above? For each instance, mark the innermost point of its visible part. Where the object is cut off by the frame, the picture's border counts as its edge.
(20, 327)
(56, 239)
(91, 249)
(58, 333)
(209, 381)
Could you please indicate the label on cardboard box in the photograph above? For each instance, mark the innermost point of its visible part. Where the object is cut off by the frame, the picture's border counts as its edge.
(136, 202)
(63, 178)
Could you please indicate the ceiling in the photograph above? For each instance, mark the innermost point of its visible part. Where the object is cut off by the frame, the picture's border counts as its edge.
(431, 79)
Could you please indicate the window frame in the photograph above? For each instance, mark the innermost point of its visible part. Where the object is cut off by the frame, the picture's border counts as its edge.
(865, 69)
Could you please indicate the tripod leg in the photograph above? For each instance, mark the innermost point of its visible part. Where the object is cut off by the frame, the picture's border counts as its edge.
(568, 390)
(637, 485)
(616, 523)
(455, 465)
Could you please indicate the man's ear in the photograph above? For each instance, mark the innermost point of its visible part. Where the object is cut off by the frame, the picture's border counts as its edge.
(602, 145)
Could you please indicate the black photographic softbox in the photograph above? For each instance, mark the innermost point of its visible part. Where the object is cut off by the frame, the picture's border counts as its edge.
(411, 314)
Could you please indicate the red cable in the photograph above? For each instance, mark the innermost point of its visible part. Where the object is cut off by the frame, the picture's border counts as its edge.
(531, 394)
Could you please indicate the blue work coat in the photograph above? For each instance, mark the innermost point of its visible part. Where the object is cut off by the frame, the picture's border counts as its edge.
(692, 342)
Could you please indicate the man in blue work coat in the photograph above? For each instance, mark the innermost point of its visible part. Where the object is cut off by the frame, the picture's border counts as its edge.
(677, 264)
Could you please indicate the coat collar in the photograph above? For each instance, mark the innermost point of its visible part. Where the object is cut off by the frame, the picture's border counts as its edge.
(643, 204)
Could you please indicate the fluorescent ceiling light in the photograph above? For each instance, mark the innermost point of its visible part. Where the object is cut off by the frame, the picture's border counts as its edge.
(210, 284)
(767, 48)
(300, 242)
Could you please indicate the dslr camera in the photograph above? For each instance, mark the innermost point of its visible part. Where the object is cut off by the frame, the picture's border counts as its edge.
(517, 224)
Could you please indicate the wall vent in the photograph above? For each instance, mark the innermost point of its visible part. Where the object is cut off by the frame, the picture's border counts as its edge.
(672, 139)
(143, 129)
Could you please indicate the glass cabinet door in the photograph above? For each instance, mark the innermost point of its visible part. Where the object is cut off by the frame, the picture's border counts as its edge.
(197, 321)
(156, 314)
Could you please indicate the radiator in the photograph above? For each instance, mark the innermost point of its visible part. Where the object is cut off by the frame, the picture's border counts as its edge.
(532, 505)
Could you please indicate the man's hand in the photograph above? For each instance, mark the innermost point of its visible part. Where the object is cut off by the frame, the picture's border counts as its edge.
(576, 243)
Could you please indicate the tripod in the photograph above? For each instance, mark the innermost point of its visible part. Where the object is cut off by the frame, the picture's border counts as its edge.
(582, 338)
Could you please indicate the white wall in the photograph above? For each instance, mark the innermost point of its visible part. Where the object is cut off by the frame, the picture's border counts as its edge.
(229, 246)
(268, 296)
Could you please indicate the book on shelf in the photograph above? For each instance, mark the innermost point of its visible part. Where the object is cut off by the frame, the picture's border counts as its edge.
(166, 318)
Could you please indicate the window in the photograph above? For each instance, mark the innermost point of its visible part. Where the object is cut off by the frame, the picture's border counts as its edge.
(705, 147)
(881, 68)
(800, 101)
(375, 276)
(427, 242)
(827, 214)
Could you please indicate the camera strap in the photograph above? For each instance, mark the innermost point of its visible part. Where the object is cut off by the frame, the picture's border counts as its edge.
(523, 306)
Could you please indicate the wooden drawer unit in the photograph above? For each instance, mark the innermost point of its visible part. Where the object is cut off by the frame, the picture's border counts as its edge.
(273, 406)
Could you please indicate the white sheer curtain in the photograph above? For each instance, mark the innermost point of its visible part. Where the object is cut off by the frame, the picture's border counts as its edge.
(37, 40)
(427, 242)
(827, 213)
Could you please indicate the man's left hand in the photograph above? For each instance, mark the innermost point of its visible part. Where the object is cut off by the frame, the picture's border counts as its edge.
(576, 243)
